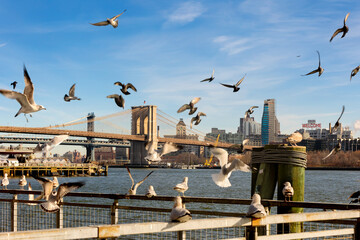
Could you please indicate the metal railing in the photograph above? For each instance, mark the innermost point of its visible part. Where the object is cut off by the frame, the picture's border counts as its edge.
(131, 217)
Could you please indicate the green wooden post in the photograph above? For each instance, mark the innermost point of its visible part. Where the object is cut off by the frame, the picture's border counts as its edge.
(256, 158)
(296, 176)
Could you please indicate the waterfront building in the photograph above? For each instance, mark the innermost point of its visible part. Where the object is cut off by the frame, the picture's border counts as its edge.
(249, 127)
(104, 153)
(270, 126)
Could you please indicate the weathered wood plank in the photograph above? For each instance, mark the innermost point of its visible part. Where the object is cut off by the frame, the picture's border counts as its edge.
(325, 233)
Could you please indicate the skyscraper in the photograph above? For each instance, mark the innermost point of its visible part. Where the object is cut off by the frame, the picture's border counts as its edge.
(270, 126)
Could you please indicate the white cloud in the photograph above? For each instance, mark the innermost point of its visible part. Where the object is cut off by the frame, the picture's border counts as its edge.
(231, 45)
(2, 45)
(186, 13)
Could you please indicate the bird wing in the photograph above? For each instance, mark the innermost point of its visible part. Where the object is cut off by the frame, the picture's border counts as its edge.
(42, 180)
(115, 17)
(29, 87)
(65, 188)
(355, 195)
(319, 58)
(332, 151)
(213, 72)
(227, 85)
(72, 91)
(240, 81)
(150, 147)
(56, 141)
(169, 147)
(245, 141)
(255, 208)
(206, 79)
(132, 180)
(312, 72)
(339, 30)
(129, 85)
(343, 109)
(195, 100)
(346, 17)
(183, 108)
(237, 164)
(19, 97)
(103, 23)
(251, 108)
(119, 84)
(201, 114)
(139, 183)
(220, 154)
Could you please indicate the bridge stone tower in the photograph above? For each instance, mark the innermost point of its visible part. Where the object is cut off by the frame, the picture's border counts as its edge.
(90, 152)
(143, 122)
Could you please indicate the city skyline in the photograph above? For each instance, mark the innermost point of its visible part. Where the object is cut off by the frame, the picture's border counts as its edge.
(166, 49)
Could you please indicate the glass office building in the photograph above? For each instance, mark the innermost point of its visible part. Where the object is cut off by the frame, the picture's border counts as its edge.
(270, 127)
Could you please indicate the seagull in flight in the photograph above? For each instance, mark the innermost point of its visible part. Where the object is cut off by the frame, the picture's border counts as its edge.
(132, 190)
(249, 112)
(154, 156)
(222, 178)
(71, 95)
(119, 100)
(196, 119)
(14, 84)
(47, 147)
(335, 150)
(344, 29)
(190, 106)
(236, 86)
(124, 87)
(112, 21)
(287, 191)
(337, 124)
(256, 209)
(26, 99)
(210, 78)
(320, 70)
(354, 72)
(179, 213)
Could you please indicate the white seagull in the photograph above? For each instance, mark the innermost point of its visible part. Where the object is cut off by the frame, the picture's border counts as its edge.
(47, 186)
(132, 190)
(26, 99)
(178, 212)
(150, 192)
(154, 156)
(182, 187)
(5, 181)
(288, 191)
(22, 182)
(47, 147)
(294, 138)
(222, 178)
(256, 209)
(113, 21)
(71, 95)
(52, 204)
(31, 196)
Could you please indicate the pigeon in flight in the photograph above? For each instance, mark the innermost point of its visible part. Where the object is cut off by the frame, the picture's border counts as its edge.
(294, 138)
(47, 147)
(249, 112)
(182, 187)
(190, 106)
(337, 124)
(14, 84)
(124, 88)
(287, 191)
(222, 178)
(119, 100)
(320, 70)
(210, 78)
(71, 95)
(236, 86)
(113, 21)
(256, 209)
(150, 192)
(344, 29)
(196, 119)
(354, 72)
(240, 147)
(132, 190)
(26, 99)
(154, 156)
(335, 150)
(179, 213)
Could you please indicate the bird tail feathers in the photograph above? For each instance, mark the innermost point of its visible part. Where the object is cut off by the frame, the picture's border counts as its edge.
(49, 206)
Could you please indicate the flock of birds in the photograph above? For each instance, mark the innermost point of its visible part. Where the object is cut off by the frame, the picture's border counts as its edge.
(179, 213)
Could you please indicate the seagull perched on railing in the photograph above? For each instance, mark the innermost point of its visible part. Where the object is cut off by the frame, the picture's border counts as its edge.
(150, 192)
(5, 181)
(71, 95)
(112, 21)
(47, 147)
(179, 213)
(22, 182)
(182, 187)
(190, 106)
(344, 29)
(222, 178)
(26, 99)
(132, 190)
(256, 209)
(287, 191)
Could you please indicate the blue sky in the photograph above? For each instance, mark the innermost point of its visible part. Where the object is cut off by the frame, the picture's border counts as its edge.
(166, 47)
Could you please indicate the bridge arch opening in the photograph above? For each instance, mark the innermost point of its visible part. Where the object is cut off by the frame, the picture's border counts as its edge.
(138, 126)
(146, 125)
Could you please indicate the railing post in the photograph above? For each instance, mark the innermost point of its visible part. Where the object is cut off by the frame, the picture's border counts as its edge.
(357, 230)
(60, 217)
(14, 212)
(115, 212)
(181, 235)
(251, 233)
